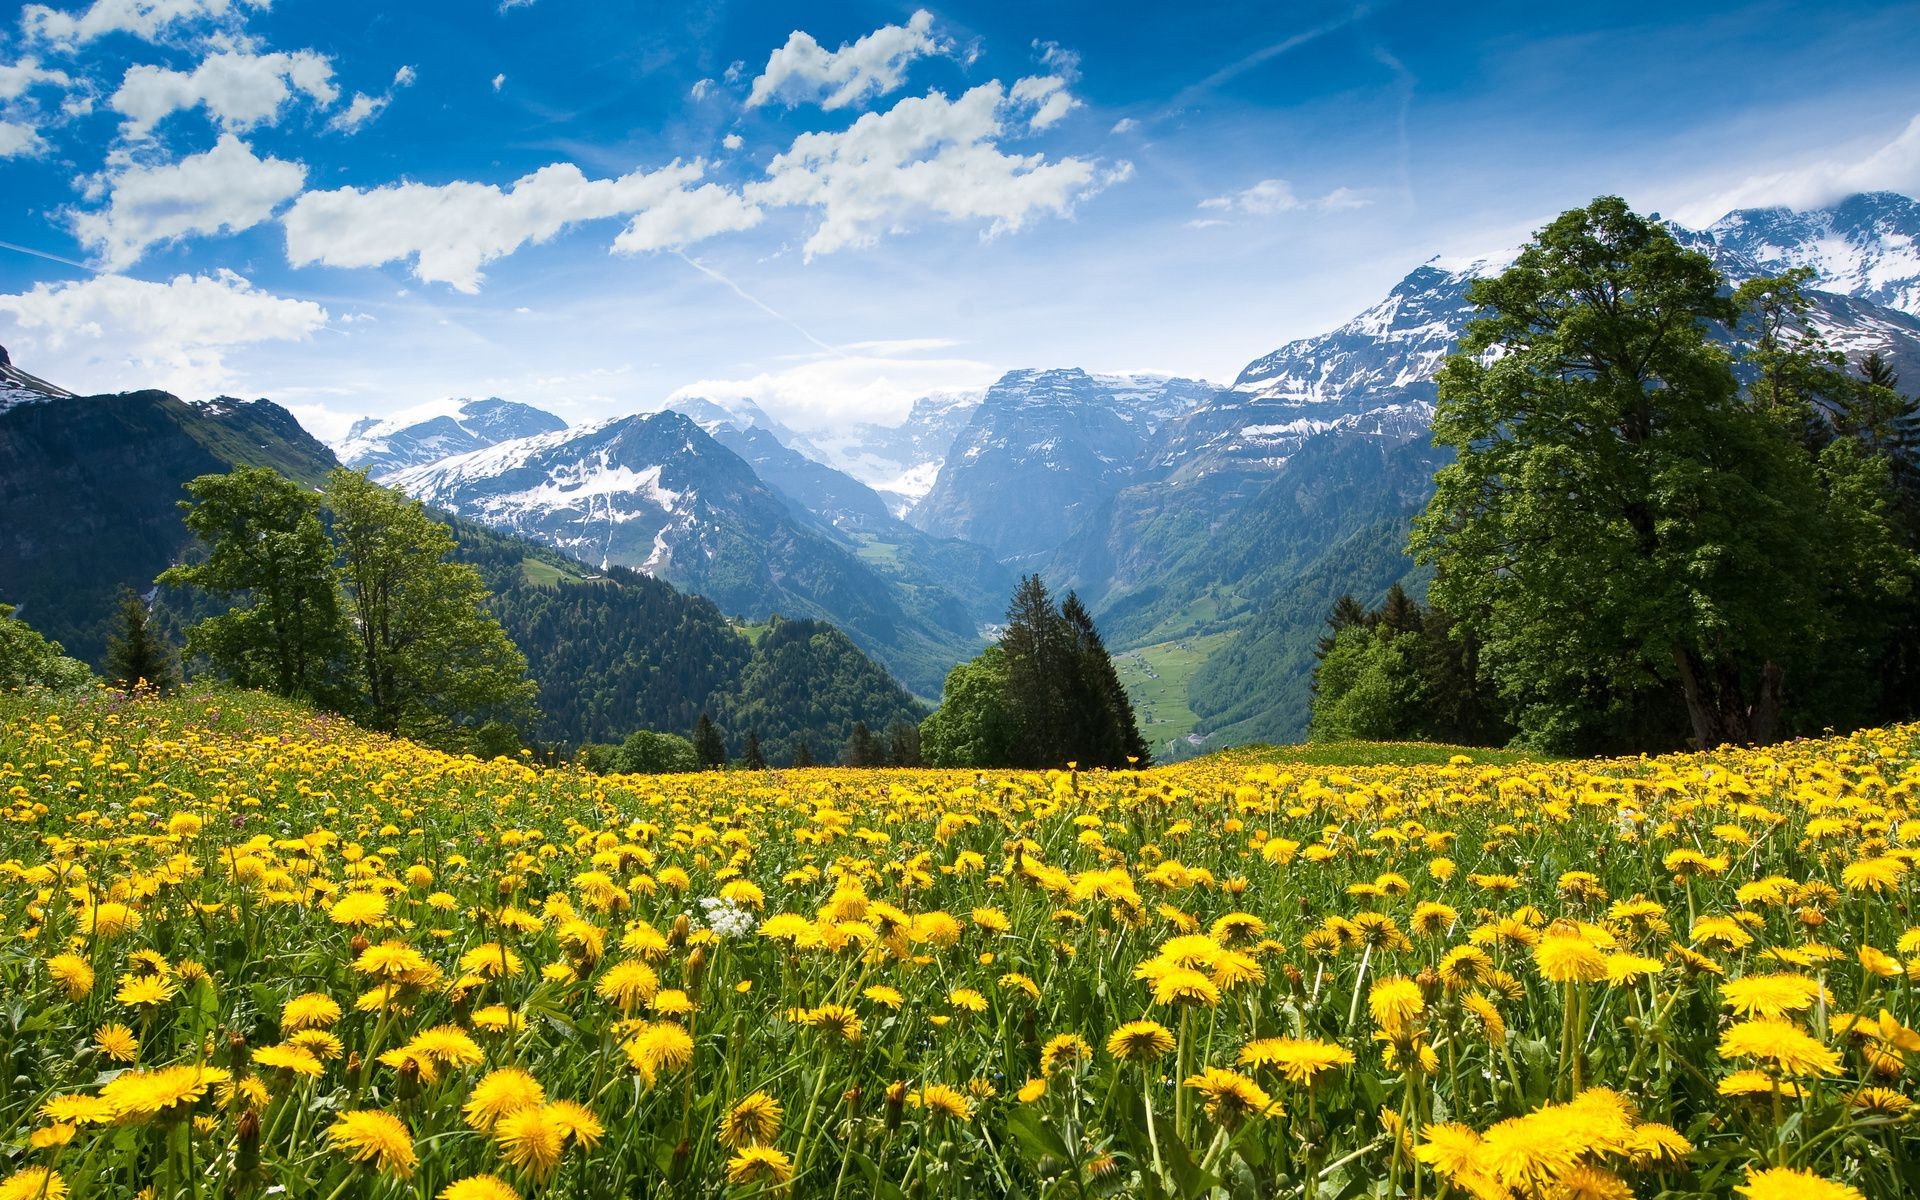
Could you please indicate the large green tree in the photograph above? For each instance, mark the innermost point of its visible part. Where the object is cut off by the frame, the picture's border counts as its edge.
(972, 727)
(430, 652)
(1618, 517)
(269, 556)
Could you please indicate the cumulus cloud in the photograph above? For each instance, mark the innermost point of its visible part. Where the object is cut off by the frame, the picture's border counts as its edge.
(733, 141)
(228, 188)
(149, 20)
(925, 156)
(451, 230)
(118, 332)
(1272, 196)
(1893, 166)
(20, 140)
(239, 90)
(27, 73)
(1125, 125)
(1046, 95)
(803, 70)
(700, 89)
(499, 81)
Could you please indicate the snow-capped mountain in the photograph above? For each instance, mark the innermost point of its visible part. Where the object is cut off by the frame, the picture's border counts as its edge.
(900, 462)
(18, 387)
(1042, 450)
(1866, 246)
(658, 493)
(438, 431)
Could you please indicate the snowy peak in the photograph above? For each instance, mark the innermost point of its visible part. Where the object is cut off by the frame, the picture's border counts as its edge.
(1864, 246)
(17, 387)
(438, 431)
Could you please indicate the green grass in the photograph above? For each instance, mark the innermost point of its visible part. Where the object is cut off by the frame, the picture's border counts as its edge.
(873, 550)
(546, 574)
(1156, 679)
(752, 631)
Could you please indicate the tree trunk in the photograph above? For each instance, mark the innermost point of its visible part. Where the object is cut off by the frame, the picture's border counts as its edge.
(1717, 705)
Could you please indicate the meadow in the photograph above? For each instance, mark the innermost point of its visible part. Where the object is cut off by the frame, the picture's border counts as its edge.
(246, 950)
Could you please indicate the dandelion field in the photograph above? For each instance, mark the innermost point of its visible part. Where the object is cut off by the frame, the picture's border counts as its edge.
(248, 951)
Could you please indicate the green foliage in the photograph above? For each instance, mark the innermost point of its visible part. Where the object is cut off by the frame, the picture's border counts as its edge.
(28, 660)
(708, 746)
(1622, 525)
(862, 750)
(646, 752)
(429, 650)
(806, 680)
(1398, 673)
(972, 727)
(752, 758)
(269, 556)
(1045, 696)
(137, 653)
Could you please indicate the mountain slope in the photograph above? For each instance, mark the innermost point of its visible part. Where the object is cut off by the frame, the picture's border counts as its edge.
(382, 447)
(657, 493)
(90, 486)
(1867, 246)
(1041, 453)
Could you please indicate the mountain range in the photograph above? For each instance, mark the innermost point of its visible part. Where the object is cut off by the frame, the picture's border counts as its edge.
(1209, 527)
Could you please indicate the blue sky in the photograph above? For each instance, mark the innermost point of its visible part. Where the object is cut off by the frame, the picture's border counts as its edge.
(361, 207)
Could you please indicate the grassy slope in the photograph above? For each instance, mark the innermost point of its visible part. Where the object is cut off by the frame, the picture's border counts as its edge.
(1156, 678)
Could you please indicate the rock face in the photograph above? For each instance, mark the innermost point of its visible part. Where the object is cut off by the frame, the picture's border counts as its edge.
(1042, 452)
(382, 447)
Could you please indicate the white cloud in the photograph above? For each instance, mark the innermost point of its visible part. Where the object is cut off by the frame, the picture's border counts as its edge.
(870, 381)
(681, 218)
(733, 141)
(113, 331)
(925, 156)
(499, 81)
(364, 108)
(145, 19)
(240, 90)
(1046, 95)
(1892, 167)
(1271, 196)
(700, 89)
(27, 73)
(803, 70)
(227, 188)
(19, 140)
(452, 230)
(1125, 125)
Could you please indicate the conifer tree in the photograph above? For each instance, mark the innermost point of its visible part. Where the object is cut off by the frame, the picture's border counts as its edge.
(802, 754)
(1110, 732)
(136, 653)
(1040, 673)
(1347, 612)
(752, 759)
(862, 750)
(708, 744)
(903, 745)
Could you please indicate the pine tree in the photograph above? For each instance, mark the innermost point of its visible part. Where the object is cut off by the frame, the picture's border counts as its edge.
(267, 552)
(862, 750)
(708, 744)
(136, 653)
(802, 754)
(1346, 612)
(903, 745)
(753, 759)
(1110, 732)
(1874, 411)
(1040, 670)
(1399, 613)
